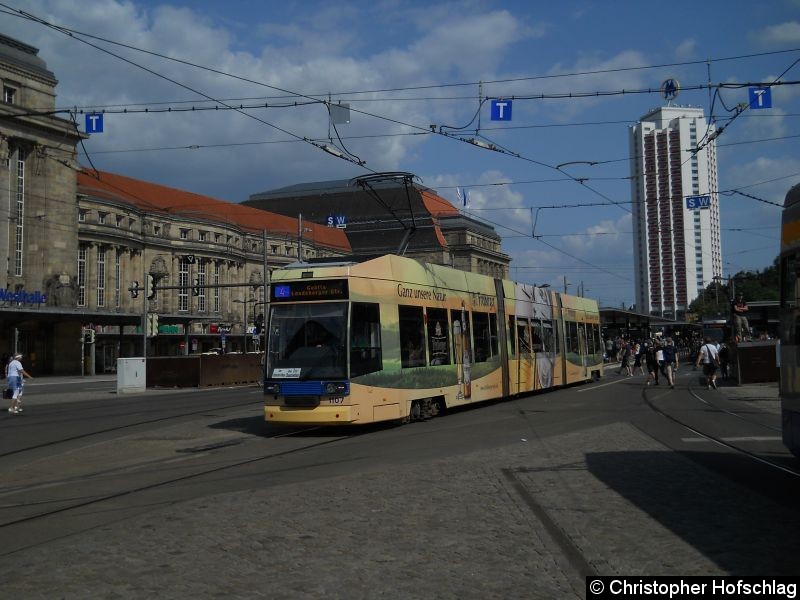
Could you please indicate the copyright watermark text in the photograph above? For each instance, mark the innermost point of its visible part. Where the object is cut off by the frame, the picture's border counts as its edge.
(598, 588)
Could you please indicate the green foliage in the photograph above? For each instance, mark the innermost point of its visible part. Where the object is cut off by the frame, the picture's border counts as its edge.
(755, 285)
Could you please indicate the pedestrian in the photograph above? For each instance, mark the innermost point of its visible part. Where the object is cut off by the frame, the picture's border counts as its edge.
(660, 358)
(625, 361)
(651, 362)
(638, 352)
(14, 375)
(724, 360)
(670, 365)
(709, 356)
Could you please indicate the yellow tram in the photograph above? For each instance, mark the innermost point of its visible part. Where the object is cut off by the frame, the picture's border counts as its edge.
(395, 339)
(790, 321)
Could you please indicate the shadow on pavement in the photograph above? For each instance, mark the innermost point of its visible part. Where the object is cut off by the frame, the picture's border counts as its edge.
(752, 531)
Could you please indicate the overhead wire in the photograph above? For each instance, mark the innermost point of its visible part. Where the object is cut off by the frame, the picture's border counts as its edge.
(349, 158)
(74, 36)
(579, 180)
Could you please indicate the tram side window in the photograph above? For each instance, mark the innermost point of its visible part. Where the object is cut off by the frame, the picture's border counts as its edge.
(438, 336)
(493, 345)
(586, 346)
(536, 336)
(598, 342)
(512, 335)
(523, 337)
(412, 336)
(571, 343)
(547, 336)
(483, 336)
(789, 291)
(365, 339)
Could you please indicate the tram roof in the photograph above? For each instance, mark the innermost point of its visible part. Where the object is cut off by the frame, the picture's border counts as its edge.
(792, 196)
(615, 315)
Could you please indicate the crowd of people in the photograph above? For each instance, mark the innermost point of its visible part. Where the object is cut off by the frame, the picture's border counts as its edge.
(654, 357)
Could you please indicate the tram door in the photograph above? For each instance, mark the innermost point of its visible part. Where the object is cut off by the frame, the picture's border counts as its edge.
(583, 347)
(525, 356)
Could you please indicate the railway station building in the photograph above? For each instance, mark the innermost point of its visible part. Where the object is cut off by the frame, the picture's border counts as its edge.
(393, 215)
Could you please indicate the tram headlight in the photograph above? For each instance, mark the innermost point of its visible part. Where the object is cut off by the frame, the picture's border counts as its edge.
(272, 388)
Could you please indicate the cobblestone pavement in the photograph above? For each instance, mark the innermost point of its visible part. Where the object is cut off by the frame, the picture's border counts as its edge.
(528, 520)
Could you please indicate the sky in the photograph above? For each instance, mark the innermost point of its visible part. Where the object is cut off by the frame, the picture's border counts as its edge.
(417, 76)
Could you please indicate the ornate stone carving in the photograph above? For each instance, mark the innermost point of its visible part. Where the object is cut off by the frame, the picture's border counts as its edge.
(61, 290)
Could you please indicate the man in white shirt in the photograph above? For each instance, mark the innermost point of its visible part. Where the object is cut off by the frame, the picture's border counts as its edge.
(709, 356)
(14, 375)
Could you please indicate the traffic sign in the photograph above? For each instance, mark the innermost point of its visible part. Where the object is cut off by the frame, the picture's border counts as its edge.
(760, 97)
(94, 123)
(501, 110)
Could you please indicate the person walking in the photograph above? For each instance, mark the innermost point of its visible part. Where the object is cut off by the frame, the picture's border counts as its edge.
(651, 362)
(638, 352)
(625, 359)
(724, 360)
(660, 358)
(670, 362)
(709, 356)
(14, 374)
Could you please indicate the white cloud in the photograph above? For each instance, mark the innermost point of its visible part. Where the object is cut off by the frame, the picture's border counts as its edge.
(607, 74)
(686, 49)
(777, 35)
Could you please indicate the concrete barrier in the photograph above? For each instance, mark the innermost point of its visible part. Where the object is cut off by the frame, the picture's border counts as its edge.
(755, 362)
(203, 370)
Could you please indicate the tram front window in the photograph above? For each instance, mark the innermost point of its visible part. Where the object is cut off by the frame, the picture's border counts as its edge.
(307, 341)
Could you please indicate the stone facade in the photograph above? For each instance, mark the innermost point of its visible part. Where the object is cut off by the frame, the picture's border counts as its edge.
(37, 200)
(76, 241)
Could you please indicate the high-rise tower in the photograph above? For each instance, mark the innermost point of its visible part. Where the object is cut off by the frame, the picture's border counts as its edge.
(676, 236)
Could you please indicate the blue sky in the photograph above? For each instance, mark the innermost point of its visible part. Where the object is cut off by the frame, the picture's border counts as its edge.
(433, 56)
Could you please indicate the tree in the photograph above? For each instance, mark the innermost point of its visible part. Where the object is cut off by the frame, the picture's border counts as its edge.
(754, 285)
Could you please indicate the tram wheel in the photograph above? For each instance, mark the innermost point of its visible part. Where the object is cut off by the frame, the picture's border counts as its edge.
(437, 407)
(416, 410)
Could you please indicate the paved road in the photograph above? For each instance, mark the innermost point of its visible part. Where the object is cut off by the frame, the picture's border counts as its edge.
(515, 499)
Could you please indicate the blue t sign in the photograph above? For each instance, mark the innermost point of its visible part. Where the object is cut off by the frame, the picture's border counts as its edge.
(760, 97)
(94, 123)
(501, 110)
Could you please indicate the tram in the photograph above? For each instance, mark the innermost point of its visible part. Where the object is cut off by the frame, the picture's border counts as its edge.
(394, 339)
(790, 321)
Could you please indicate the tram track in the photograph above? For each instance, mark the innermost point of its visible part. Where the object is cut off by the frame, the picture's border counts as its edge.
(718, 439)
(94, 500)
(116, 428)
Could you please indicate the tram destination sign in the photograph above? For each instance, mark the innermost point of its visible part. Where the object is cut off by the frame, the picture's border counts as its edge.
(318, 289)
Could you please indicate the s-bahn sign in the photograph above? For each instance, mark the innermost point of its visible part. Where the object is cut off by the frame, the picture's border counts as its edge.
(695, 202)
